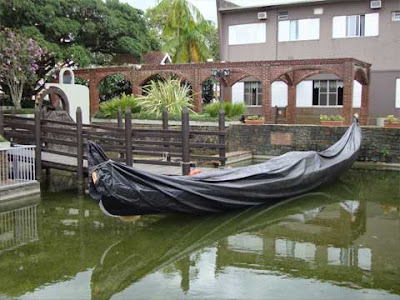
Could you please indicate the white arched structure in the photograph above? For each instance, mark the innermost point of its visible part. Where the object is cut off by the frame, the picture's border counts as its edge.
(78, 95)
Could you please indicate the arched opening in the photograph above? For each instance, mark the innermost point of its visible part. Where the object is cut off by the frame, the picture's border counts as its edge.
(249, 92)
(113, 86)
(82, 81)
(164, 77)
(279, 100)
(317, 95)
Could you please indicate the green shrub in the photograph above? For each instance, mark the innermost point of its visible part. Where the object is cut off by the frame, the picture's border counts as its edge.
(255, 117)
(231, 110)
(392, 119)
(110, 108)
(169, 94)
(331, 118)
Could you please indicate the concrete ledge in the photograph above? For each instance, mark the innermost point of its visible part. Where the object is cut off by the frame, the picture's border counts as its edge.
(170, 122)
(19, 191)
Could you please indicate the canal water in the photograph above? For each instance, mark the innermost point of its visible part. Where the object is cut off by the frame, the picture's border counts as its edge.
(339, 242)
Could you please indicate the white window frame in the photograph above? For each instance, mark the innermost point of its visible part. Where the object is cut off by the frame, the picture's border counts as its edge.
(258, 93)
(244, 34)
(367, 25)
(328, 92)
(296, 30)
(396, 16)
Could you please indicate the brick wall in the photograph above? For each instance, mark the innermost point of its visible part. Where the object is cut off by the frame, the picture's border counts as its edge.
(379, 144)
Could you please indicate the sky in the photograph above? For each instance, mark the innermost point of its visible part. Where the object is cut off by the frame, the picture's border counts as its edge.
(207, 7)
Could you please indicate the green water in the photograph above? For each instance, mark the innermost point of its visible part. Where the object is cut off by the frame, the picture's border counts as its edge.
(340, 242)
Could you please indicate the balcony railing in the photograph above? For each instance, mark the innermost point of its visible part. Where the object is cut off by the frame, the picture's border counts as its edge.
(17, 166)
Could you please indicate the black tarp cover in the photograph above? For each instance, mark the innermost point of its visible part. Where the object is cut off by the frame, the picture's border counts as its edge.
(121, 190)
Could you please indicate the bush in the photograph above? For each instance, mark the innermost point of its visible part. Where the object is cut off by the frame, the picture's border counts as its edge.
(331, 118)
(254, 117)
(110, 108)
(231, 110)
(169, 94)
(392, 119)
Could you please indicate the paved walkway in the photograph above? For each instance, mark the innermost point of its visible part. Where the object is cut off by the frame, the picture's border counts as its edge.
(157, 169)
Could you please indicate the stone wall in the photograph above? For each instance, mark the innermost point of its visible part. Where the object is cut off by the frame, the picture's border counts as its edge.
(379, 144)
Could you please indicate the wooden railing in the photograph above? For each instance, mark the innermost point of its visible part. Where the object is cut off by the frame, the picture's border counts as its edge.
(123, 142)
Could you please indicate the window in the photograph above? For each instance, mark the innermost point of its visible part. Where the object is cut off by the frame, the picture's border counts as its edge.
(284, 15)
(247, 34)
(355, 25)
(396, 16)
(298, 30)
(398, 93)
(252, 93)
(327, 92)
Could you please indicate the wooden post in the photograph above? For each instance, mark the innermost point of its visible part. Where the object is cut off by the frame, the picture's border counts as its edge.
(128, 136)
(12, 111)
(38, 143)
(120, 125)
(79, 150)
(1, 121)
(221, 138)
(165, 127)
(185, 142)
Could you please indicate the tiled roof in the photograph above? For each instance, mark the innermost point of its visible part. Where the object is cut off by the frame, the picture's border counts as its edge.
(153, 58)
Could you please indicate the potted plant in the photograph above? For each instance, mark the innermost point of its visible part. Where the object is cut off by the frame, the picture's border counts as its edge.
(254, 120)
(332, 120)
(392, 121)
(4, 143)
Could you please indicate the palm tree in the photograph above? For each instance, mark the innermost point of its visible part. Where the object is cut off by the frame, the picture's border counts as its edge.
(183, 30)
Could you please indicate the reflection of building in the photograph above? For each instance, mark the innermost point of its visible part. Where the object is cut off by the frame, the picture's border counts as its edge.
(340, 243)
(18, 227)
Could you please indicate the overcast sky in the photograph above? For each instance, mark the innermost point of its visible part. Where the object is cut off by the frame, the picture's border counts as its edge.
(206, 7)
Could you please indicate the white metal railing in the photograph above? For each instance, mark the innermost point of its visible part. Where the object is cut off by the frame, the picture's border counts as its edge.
(17, 165)
(18, 227)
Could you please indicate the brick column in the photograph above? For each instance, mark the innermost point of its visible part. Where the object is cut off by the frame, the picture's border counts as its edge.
(348, 84)
(197, 97)
(364, 113)
(94, 97)
(136, 89)
(348, 100)
(291, 109)
(266, 100)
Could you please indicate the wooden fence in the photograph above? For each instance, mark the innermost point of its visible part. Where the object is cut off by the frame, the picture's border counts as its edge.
(123, 142)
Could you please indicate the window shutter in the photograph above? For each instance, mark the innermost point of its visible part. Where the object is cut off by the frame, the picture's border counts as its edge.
(284, 31)
(372, 24)
(339, 27)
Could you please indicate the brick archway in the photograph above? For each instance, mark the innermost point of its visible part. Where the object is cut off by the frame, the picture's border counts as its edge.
(290, 71)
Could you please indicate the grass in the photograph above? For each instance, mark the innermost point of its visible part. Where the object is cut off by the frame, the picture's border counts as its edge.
(23, 111)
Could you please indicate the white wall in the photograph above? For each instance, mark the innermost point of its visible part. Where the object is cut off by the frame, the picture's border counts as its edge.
(238, 92)
(357, 90)
(78, 95)
(279, 94)
(398, 93)
(304, 94)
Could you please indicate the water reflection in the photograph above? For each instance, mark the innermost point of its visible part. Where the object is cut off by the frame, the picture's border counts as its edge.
(347, 235)
(18, 226)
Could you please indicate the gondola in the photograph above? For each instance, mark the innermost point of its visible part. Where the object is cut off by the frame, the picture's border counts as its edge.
(122, 190)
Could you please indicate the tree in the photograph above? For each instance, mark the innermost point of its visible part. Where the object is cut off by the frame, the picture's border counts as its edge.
(90, 30)
(19, 57)
(182, 29)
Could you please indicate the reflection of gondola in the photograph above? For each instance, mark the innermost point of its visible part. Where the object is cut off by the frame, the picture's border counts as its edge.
(131, 260)
(123, 190)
